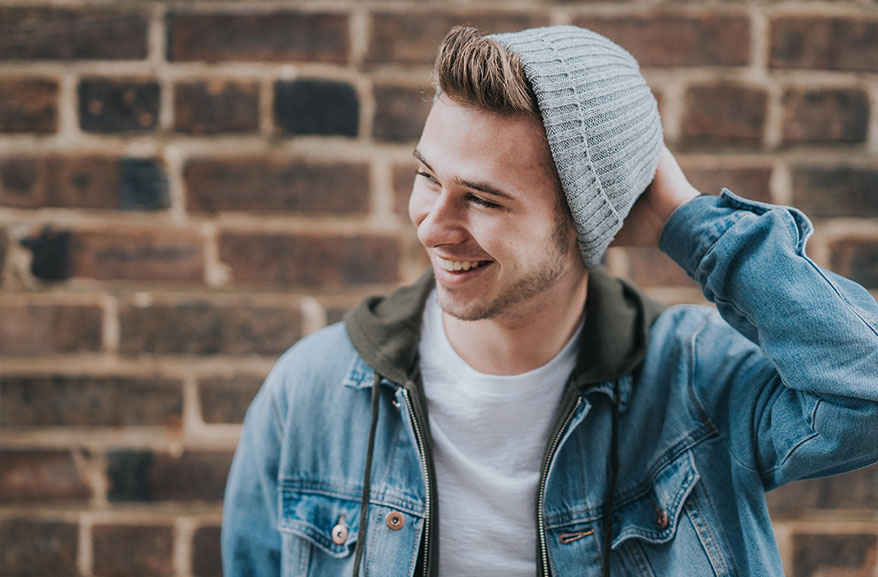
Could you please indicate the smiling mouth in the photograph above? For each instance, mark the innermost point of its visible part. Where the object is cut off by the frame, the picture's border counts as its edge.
(460, 265)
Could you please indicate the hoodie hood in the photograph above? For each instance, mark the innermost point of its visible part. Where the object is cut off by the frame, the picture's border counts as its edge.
(386, 330)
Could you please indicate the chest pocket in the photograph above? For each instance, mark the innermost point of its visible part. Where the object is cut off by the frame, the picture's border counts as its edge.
(319, 531)
(672, 528)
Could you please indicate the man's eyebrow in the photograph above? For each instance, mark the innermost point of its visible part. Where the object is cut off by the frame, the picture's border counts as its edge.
(473, 184)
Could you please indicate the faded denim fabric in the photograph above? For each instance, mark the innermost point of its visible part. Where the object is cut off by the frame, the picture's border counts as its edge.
(780, 384)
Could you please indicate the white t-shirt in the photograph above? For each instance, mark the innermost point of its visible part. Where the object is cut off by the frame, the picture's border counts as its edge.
(489, 434)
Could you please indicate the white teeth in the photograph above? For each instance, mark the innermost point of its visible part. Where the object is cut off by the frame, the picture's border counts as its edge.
(456, 265)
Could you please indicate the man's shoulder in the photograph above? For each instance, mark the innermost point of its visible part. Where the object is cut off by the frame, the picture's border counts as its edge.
(323, 357)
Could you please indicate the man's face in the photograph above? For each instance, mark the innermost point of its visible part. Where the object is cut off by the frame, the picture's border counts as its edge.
(486, 205)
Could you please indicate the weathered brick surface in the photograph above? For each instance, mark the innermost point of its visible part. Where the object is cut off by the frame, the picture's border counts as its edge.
(678, 39)
(31, 547)
(133, 550)
(276, 184)
(857, 259)
(225, 399)
(161, 255)
(412, 38)
(854, 491)
(840, 43)
(403, 180)
(815, 555)
(41, 476)
(649, 267)
(216, 106)
(825, 116)
(146, 256)
(310, 260)
(118, 105)
(145, 476)
(63, 400)
(90, 181)
(44, 33)
(317, 107)
(278, 36)
(726, 113)
(28, 105)
(400, 111)
(39, 329)
(753, 182)
(835, 191)
(206, 560)
(204, 327)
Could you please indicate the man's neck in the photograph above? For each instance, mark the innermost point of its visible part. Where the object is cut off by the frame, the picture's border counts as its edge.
(519, 342)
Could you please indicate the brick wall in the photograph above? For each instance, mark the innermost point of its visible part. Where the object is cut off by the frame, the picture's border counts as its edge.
(186, 188)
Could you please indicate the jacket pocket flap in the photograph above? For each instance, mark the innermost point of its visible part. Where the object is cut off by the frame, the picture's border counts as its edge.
(327, 521)
(653, 517)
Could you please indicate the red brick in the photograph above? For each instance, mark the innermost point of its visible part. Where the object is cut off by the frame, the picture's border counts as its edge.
(822, 554)
(133, 550)
(856, 259)
(39, 329)
(28, 105)
(730, 114)
(651, 267)
(403, 179)
(118, 105)
(136, 476)
(310, 260)
(35, 475)
(45, 33)
(102, 182)
(79, 401)
(225, 399)
(400, 112)
(835, 191)
(839, 43)
(206, 561)
(202, 327)
(216, 106)
(414, 37)
(753, 182)
(825, 116)
(278, 36)
(854, 491)
(147, 256)
(674, 39)
(31, 547)
(276, 184)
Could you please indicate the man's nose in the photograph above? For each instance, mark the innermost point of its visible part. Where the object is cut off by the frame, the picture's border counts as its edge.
(443, 222)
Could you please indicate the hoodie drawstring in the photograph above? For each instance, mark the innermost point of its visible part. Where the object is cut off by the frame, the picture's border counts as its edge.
(611, 486)
(367, 479)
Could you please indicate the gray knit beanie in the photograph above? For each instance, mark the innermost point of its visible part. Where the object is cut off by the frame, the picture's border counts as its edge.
(601, 121)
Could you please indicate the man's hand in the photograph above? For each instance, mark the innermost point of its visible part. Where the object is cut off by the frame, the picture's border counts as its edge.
(668, 190)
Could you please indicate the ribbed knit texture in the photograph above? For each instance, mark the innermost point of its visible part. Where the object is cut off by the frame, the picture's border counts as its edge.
(602, 124)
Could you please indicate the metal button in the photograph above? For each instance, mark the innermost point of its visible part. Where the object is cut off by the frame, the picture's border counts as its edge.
(395, 520)
(662, 519)
(340, 532)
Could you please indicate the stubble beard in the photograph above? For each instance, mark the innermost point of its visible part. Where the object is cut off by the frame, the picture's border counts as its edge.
(524, 289)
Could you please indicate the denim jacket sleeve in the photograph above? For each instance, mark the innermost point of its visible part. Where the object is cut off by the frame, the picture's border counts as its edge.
(251, 543)
(803, 402)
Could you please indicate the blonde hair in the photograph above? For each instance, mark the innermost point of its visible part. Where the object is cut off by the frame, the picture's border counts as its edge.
(479, 71)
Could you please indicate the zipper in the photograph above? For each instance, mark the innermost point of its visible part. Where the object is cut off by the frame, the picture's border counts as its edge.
(428, 498)
(541, 491)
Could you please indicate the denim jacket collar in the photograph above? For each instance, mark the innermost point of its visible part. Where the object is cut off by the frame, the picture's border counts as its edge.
(385, 332)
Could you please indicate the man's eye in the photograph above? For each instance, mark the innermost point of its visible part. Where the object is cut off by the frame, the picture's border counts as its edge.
(478, 200)
(429, 177)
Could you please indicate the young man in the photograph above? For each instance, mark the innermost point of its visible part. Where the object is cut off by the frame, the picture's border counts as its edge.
(518, 411)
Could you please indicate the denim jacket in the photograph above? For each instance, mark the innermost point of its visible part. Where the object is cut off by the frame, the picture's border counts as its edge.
(713, 407)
